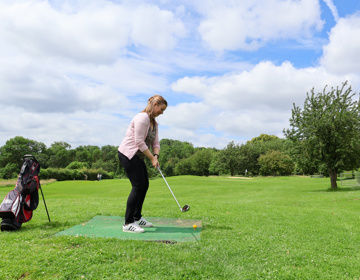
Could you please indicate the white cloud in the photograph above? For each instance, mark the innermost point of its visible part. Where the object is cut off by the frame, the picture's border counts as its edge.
(333, 9)
(248, 25)
(264, 86)
(39, 30)
(96, 128)
(95, 33)
(187, 115)
(155, 28)
(251, 123)
(341, 55)
(252, 102)
(79, 70)
(42, 89)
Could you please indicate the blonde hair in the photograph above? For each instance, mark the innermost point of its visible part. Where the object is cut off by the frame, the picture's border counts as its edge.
(158, 99)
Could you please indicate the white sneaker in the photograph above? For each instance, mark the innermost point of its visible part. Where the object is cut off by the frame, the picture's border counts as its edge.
(133, 228)
(143, 223)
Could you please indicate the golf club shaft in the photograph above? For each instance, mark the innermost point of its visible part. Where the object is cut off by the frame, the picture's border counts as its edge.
(169, 187)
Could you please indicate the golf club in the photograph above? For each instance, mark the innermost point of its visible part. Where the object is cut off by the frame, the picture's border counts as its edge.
(183, 209)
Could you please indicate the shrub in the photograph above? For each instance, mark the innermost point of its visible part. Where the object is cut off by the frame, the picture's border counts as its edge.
(77, 165)
(10, 171)
(275, 163)
(65, 174)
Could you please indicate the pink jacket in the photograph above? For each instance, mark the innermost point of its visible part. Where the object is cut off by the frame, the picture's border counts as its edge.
(135, 136)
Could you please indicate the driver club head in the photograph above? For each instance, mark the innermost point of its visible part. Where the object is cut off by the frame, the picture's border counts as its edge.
(185, 208)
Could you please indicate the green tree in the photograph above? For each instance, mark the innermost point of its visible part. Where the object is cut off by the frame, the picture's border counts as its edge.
(214, 168)
(96, 155)
(304, 164)
(228, 159)
(59, 154)
(109, 153)
(201, 162)
(263, 138)
(172, 152)
(275, 163)
(250, 152)
(10, 171)
(184, 167)
(78, 165)
(109, 159)
(327, 130)
(105, 165)
(83, 154)
(14, 150)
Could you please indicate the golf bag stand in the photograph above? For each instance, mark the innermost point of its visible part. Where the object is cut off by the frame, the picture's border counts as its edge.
(18, 205)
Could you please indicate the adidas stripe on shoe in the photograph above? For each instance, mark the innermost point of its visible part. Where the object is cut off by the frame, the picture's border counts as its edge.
(143, 223)
(133, 228)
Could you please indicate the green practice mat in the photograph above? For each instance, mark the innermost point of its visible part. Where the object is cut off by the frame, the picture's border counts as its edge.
(163, 229)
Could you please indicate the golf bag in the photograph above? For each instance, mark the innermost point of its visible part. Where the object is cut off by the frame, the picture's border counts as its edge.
(19, 204)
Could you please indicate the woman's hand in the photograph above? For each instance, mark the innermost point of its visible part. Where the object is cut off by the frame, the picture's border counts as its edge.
(153, 159)
(154, 162)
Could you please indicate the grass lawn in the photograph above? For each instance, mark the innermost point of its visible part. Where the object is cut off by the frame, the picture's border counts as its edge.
(264, 228)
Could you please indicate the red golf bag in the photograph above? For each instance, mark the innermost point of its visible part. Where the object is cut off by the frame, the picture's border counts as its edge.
(19, 204)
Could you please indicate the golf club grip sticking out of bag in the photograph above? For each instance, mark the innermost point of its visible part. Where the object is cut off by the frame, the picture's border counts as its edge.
(183, 209)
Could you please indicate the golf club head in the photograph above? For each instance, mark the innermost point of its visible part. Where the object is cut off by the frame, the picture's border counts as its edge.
(185, 208)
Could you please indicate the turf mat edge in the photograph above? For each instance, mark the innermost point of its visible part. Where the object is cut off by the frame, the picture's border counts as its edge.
(164, 229)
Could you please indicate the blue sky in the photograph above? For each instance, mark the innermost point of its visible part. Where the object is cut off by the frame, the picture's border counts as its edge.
(78, 71)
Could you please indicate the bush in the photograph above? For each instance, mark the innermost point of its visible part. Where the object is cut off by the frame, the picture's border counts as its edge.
(105, 165)
(275, 163)
(10, 171)
(65, 174)
(77, 165)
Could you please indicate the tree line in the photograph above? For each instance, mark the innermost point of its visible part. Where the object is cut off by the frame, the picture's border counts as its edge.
(263, 155)
(323, 138)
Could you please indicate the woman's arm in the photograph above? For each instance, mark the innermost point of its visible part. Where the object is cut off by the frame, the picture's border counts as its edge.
(156, 151)
(141, 126)
(156, 144)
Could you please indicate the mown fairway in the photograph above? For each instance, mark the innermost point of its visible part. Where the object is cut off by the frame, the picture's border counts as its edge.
(264, 228)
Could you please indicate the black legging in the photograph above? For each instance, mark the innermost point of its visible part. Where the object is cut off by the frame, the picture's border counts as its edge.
(136, 171)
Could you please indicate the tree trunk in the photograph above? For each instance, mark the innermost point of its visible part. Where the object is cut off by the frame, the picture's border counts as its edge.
(333, 178)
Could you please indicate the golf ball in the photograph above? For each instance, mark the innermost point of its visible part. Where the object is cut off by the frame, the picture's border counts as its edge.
(194, 226)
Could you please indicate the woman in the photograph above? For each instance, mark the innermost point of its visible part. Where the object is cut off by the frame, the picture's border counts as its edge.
(141, 135)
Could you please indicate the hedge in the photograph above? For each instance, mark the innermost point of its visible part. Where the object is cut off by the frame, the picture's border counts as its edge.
(64, 174)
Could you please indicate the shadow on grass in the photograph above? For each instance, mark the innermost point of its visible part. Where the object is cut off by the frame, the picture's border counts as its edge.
(45, 225)
(340, 189)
